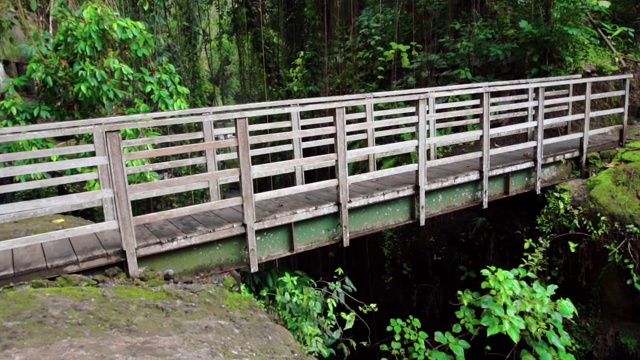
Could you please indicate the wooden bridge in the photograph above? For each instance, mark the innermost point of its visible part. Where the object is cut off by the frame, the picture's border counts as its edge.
(233, 186)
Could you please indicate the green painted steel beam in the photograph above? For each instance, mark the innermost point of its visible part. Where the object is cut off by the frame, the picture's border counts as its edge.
(308, 234)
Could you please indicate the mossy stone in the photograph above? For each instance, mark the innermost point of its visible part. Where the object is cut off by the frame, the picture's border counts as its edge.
(616, 191)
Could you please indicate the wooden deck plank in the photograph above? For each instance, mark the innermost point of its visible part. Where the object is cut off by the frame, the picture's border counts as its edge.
(110, 241)
(59, 253)
(233, 215)
(165, 231)
(87, 247)
(328, 196)
(189, 225)
(144, 236)
(6, 263)
(212, 221)
(28, 259)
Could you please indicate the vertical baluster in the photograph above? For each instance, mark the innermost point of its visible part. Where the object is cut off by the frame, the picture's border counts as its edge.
(584, 143)
(342, 174)
(625, 116)
(100, 143)
(486, 146)
(530, 111)
(371, 135)
(540, 139)
(123, 204)
(210, 157)
(246, 185)
(421, 128)
(297, 146)
(570, 108)
(433, 147)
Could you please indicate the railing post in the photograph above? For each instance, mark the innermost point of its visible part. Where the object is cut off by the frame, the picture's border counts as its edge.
(246, 185)
(584, 142)
(625, 116)
(123, 204)
(210, 157)
(100, 144)
(540, 139)
(486, 146)
(342, 174)
(530, 114)
(297, 146)
(421, 128)
(433, 147)
(371, 135)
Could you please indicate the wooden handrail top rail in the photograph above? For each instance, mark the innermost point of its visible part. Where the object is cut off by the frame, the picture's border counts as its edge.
(269, 104)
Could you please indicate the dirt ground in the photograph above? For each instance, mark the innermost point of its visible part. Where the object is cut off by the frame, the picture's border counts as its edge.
(109, 317)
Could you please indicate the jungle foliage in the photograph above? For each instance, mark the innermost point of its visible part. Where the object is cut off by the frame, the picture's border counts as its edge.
(251, 50)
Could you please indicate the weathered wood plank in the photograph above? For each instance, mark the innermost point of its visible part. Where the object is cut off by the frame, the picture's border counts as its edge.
(156, 140)
(56, 201)
(87, 247)
(180, 149)
(371, 136)
(295, 189)
(210, 220)
(486, 147)
(148, 188)
(421, 175)
(108, 205)
(204, 112)
(29, 258)
(110, 241)
(342, 173)
(145, 237)
(45, 153)
(12, 171)
(625, 116)
(540, 140)
(166, 165)
(584, 141)
(165, 231)
(211, 156)
(246, 186)
(59, 253)
(189, 226)
(297, 147)
(123, 204)
(38, 184)
(187, 210)
(6, 263)
(57, 235)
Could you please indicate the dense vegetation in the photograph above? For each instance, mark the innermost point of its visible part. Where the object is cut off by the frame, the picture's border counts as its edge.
(92, 58)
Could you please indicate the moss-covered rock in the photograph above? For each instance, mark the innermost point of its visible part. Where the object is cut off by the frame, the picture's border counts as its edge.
(200, 321)
(616, 191)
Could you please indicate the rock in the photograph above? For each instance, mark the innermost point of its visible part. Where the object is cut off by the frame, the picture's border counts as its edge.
(168, 274)
(113, 271)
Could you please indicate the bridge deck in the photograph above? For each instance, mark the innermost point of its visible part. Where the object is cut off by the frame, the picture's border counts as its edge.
(103, 248)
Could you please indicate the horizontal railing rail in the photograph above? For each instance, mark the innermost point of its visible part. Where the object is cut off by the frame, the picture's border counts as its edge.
(249, 155)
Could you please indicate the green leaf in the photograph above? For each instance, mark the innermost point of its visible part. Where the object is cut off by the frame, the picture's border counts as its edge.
(456, 349)
(514, 334)
(493, 329)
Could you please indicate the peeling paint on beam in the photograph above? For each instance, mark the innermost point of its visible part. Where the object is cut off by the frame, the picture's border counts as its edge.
(305, 235)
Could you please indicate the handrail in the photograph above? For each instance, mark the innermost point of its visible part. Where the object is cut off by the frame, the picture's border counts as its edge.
(266, 105)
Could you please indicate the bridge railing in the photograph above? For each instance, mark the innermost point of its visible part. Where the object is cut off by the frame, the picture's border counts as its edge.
(247, 154)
